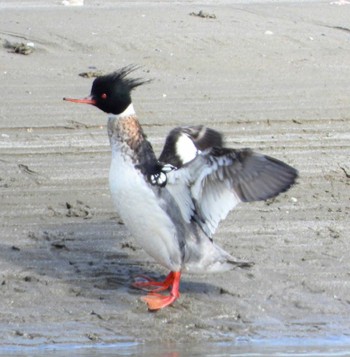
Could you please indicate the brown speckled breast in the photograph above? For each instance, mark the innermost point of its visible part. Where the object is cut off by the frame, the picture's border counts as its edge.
(126, 134)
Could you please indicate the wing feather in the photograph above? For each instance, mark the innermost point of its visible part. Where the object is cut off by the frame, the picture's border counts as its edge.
(199, 137)
(211, 185)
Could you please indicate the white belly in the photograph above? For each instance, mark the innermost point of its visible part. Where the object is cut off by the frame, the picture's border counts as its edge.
(137, 205)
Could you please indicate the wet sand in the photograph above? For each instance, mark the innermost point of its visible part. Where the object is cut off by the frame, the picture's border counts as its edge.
(274, 77)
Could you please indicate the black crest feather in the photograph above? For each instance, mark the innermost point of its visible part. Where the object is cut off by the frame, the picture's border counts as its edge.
(121, 74)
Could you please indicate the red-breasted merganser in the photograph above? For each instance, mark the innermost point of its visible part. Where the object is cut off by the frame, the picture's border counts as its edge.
(173, 205)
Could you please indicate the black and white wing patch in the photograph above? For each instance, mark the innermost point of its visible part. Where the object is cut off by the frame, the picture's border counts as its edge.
(219, 178)
(154, 171)
(159, 177)
(184, 143)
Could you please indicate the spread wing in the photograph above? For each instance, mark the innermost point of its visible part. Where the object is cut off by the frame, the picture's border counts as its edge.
(184, 143)
(213, 183)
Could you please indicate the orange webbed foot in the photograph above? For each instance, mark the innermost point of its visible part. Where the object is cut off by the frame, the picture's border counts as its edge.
(148, 284)
(157, 301)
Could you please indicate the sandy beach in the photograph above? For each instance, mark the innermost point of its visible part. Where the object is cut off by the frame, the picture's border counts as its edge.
(273, 76)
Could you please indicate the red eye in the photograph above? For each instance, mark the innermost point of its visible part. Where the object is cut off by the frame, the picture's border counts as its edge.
(104, 96)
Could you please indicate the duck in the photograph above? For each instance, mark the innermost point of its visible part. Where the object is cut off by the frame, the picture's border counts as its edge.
(173, 204)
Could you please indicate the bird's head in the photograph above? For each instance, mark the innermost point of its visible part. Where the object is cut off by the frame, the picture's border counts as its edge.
(112, 92)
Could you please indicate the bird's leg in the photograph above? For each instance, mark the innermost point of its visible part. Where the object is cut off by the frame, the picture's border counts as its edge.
(157, 301)
(151, 285)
